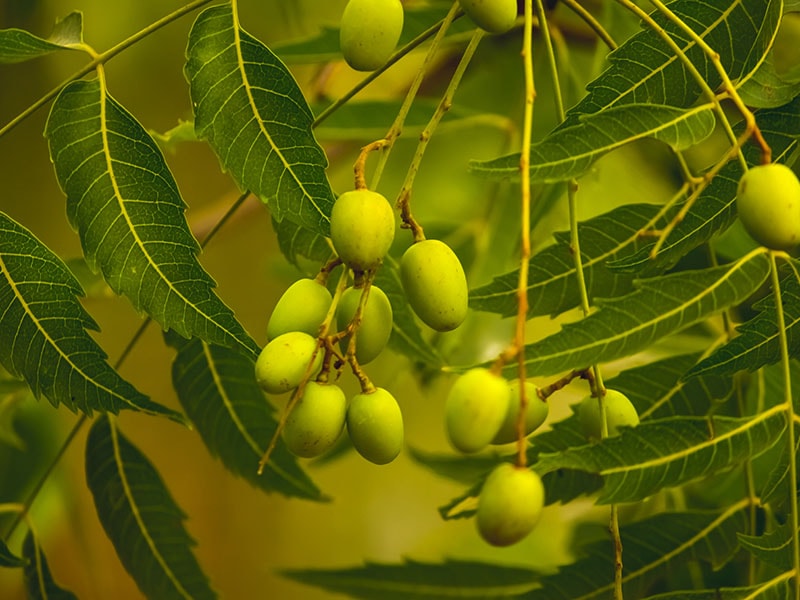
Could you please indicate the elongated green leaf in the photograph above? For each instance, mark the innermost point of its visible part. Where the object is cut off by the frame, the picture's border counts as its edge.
(766, 88)
(39, 581)
(658, 307)
(18, 45)
(125, 204)
(758, 341)
(43, 331)
(552, 282)
(646, 70)
(652, 548)
(297, 242)
(569, 152)
(463, 469)
(779, 588)
(773, 548)
(250, 109)
(140, 517)
(417, 580)
(668, 452)
(8, 558)
(216, 387)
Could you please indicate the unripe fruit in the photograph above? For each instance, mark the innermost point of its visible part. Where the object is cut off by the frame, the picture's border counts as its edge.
(768, 202)
(316, 421)
(510, 504)
(620, 412)
(494, 16)
(283, 362)
(375, 426)
(376, 322)
(535, 413)
(362, 228)
(302, 307)
(475, 408)
(435, 285)
(369, 31)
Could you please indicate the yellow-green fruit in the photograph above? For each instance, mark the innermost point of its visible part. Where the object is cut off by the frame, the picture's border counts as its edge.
(316, 421)
(620, 412)
(510, 504)
(768, 203)
(302, 307)
(375, 426)
(435, 285)
(535, 413)
(362, 228)
(283, 362)
(376, 322)
(475, 408)
(369, 31)
(494, 16)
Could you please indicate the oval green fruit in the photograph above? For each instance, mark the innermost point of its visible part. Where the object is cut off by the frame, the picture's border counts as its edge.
(475, 409)
(494, 16)
(435, 285)
(620, 412)
(375, 426)
(376, 322)
(768, 203)
(535, 413)
(369, 31)
(302, 307)
(283, 362)
(316, 421)
(510, 504)
(362, 228)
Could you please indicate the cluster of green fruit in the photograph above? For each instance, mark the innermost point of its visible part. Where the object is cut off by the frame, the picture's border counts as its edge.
(370, 29)
(768, 203)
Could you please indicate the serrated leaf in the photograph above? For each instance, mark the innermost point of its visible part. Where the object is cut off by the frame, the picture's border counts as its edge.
(758, 342)
(39, 581)
(658, 307)
(668, 452)
(249, 108)
(646, 70)
(772, 548)
(417, 580)
(297, 242)
(217, 388)
(652, 547)
(18, 45)
(778, 588)
(462, 469)
(140, 517)
(43, 330)
(766, 88)
(126, 207)
(8, 558)
(552, 282)
(568, 152)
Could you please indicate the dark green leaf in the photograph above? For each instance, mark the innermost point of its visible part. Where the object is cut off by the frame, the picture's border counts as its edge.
(39, 581)
(658, 307)
(125, 204)
(17, 45)
(779, 588)
(252, 112)
(217, 388)
(463, 469)
(297, 242)
(43, 331)
(766, 88)
(140, 517)
(8, 558)
(568, 152)
(773, 548)
(416, 580)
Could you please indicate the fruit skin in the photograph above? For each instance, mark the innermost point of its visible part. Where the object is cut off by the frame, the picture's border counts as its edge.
(369, 31)
(494, 16)
(282, 363)
(620, 412)
(510, 504)
(302, 307)
(435, 285)
(375, 426)
(316, 421)
(475, 409)
(376, 322)
(768, 202)
(535, 413)
(362, 228)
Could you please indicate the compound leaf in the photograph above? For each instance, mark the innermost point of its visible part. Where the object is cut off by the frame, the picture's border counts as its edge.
(39, 581)
(43, 331)
(773, 548)
(18, 45)
(125, 204)
(140, 517)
